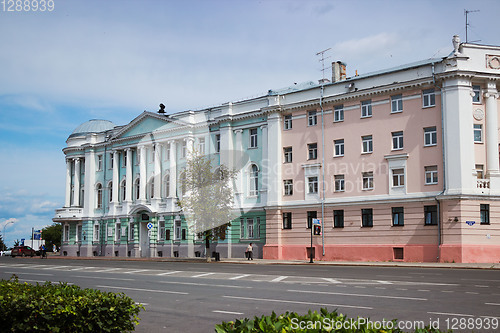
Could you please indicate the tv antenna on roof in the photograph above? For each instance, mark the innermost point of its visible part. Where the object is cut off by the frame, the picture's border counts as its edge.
(322, 60)
(466, 12)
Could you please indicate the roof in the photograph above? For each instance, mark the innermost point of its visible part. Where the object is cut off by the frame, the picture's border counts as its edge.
(93, 126)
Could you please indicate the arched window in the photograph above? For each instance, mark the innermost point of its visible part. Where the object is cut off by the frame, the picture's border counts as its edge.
(254, 180)
(123, 190)
(151, 187)
(166, 185)
(110, 189)
(99, 195)
(137, 187)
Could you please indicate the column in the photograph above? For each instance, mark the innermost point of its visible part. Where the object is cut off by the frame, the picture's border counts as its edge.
(128, 177)
(157, 171)
(116, 176)
(89, 183)
(142, 173)
(76, 188)
(239, 154)
(273, 159)
(226, 146)
(173, 169)
(68, 183)
(266, 166)
(492, 162)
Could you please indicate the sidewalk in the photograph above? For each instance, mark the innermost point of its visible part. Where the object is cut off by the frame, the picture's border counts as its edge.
(244, 261)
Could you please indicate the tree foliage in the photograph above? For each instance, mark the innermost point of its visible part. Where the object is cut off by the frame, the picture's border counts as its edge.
(2, 244)
(208, 197)
(52, 235)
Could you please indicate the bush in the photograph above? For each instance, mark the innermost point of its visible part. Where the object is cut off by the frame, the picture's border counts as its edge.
(64, 308)
(311, 322)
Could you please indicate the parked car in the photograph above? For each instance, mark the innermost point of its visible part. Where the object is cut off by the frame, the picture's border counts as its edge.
(7, 253)
(23, 251)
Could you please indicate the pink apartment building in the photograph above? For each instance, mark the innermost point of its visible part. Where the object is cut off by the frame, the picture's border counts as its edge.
(410, 163)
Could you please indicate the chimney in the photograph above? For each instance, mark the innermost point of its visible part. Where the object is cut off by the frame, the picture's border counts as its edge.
(338, 71)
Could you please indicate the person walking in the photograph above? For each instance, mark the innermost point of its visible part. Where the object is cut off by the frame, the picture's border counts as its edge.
(249, 251)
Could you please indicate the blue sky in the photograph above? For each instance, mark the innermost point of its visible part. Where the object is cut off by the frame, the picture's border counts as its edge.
(114, 59)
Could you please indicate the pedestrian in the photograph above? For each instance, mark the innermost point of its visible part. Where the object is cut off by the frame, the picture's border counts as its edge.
(44, 252)
(54, 248)
(249, 252)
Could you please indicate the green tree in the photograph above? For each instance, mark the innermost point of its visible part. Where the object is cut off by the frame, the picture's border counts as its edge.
(52, 235)
(208, 198)
(17, 242)
(2, 244)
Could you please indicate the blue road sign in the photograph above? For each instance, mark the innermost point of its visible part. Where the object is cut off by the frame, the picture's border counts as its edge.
(149, 225)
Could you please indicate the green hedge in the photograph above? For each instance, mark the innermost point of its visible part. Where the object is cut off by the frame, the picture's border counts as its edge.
(314, 322)
(64, 308)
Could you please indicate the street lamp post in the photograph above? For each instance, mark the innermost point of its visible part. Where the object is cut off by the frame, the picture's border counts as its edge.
(3, 233)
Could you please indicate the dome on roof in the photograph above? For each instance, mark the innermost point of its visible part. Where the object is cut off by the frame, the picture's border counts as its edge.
(93, 126)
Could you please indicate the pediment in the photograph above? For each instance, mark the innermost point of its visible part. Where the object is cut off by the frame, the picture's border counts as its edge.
(147, 123)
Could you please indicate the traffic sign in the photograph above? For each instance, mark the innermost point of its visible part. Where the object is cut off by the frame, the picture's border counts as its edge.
(149, 225)
(316, 221)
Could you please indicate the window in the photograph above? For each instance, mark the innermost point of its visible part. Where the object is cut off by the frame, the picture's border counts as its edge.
(478, 133)
(66, 232)
(312, 151)
(367, 180)
(485, 213)
(312, 118)
(430, 214)
(250, 228)
(287, 220)
(125, 158)
(254, 180)
(99, 195)
(217, 143)
(79, 237)
(177, 230)
(137, 157)
(480, 171)
(338, 218)
(256, 228)
(397, 103)
(110, 190)
(397, 140)
(287, 122)
(310, 216)
(184, 149)
(477, 94)
(153, 150)
(99, 162)
(398, 177)
(339, 147)
(137, 188)
(312, 184)
(366, 109)
(287, 152)
(430, 136)
(123, 190)
(166, 185)
(111, 160)
(398, 216)
(96, 233)
(118, 234)
(339, 183)
(201, 145)
(367, 217)
(367, 144)
(167, 152)
(242, 228)
(152, 187)
(431, 175)
(161, 235)
(428, 98)
(253, 138)
(131, 232)
(338, 113)
(288, 186)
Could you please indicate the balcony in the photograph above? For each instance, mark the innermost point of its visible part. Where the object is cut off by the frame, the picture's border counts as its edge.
(71, 212)
(483, 184)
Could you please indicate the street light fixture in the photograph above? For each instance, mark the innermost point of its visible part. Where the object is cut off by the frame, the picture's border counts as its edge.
(3, 233)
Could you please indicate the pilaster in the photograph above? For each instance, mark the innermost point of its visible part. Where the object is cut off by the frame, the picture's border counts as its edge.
(273, 162)
(68, 183)
(76, 188)
(128, 176)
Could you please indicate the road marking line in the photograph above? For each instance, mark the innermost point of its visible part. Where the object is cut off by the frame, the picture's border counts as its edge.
(168, 273)
(331, 280)
(279, 278)
(143, 304)
(206, 284)
(137, 271)
(47, 274)
(80, 268)
(492, 303)
(384, 282)
(202, 275)
(297, 302)
(102, 278)
(380, 288)
(401, 289)
(423, 290)
(55, 267)
(228, 312)
(471, 292)
(107, 270)
(452, 314)
(239, 277)
(481, 286)
(447, 291)
(359, 295)
(151, 290)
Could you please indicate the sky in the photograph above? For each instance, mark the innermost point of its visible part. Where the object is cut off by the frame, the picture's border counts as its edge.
(114, 59)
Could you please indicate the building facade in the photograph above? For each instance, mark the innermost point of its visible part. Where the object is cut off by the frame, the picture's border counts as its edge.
(401, 164)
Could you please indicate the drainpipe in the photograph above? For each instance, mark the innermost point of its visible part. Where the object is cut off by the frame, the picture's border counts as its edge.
(322, 169)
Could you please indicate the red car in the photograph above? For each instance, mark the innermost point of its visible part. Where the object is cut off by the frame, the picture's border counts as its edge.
(22, 251)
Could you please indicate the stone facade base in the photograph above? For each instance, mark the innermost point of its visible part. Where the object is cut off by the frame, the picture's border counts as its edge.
(470, 253)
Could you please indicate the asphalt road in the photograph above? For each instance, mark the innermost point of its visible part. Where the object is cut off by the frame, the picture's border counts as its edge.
(193, 297)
